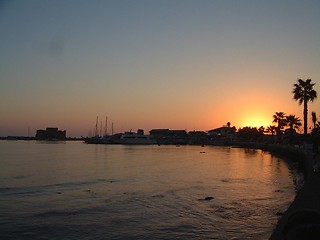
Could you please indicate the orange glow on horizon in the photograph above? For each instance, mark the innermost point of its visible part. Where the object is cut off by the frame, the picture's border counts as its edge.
(256, 123)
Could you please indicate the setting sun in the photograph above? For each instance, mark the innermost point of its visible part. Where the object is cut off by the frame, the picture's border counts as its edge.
(256, 121)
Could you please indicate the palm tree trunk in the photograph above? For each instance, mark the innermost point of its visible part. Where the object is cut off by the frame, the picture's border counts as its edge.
(305, 116)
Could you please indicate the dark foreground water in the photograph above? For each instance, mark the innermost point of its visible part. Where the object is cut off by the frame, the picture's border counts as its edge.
(77, 191)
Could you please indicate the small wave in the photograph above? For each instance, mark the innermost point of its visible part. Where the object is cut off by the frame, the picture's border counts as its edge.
(57, 213)
(20, 191)
(236, 210)
(158, 196)
(235, 180)
(77, 185)
(20, 177)
(51, 188)
(263, 199)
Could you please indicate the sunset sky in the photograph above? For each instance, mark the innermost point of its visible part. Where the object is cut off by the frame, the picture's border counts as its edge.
(175, 64)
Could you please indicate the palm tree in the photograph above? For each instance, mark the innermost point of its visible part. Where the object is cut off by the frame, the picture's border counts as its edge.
(261, 129)
(316, 128)
(280, 119)
(294, 122)
(271, 129)
(303, 92)
(314, 119)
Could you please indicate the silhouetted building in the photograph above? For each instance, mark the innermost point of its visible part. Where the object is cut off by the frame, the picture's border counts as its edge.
(166, 136)
(51, 134)
(224, 131)
(140, 132)
(198, 137)
(222, 135)
(160, 132)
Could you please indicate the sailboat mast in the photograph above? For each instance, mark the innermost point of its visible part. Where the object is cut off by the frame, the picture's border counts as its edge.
(96, 129)
(100, 129)
(106, 129)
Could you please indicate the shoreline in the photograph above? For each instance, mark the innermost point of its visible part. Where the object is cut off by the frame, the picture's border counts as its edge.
(302, 218)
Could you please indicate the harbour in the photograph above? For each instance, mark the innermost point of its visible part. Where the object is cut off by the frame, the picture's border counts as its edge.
(76, 190)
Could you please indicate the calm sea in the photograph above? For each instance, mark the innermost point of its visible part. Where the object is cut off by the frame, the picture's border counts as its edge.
(71, 190)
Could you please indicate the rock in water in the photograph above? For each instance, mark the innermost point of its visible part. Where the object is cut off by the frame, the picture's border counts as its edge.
(208, 198)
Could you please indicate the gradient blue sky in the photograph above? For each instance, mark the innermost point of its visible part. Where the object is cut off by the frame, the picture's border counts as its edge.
(175, 64)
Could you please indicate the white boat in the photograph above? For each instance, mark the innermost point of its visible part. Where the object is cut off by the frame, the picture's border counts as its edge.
(136, 138)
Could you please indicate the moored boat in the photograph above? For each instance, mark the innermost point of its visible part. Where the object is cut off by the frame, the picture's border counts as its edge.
(135, 138)
(98, 140)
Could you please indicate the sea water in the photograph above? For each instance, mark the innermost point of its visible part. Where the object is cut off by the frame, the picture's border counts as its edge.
(72, 190)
